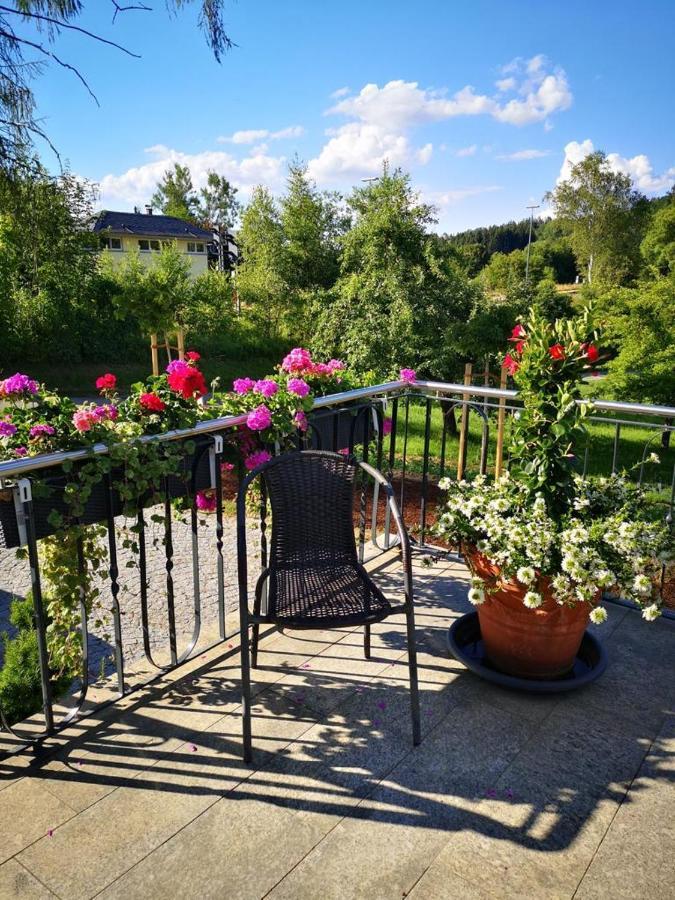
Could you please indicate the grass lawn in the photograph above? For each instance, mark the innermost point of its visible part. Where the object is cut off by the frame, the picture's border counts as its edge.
(633, 440)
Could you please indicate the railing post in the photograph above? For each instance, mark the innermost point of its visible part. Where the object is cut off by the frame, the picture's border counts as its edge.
(501, 418)
(464, 426)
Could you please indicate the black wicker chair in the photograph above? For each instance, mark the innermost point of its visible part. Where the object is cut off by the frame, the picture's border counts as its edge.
(313, 578)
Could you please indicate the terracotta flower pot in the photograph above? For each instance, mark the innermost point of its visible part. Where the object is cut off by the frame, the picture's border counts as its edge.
(528, 643)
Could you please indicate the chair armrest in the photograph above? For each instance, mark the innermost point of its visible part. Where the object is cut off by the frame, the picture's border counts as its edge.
(406, 555)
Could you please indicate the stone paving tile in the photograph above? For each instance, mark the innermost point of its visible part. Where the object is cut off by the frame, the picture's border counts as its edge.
(386, 843)
(16, 883)
(637, 855)
(29, 810)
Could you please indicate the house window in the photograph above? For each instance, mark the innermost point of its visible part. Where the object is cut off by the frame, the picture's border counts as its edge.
(145, 246)
(195, 247)
(111, 243)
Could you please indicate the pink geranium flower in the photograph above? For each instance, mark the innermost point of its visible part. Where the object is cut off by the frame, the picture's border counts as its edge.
(243, 385)
(266, 387)
(386, 425)
(300, 421)
(259, 419)
(107, 382)
(297, 360)
(83, 420)
(408, 375)
(298, 387)
(257, 459)
(18, 385)
(7, 428)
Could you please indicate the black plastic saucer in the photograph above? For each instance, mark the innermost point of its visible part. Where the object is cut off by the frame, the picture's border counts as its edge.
(464, 641)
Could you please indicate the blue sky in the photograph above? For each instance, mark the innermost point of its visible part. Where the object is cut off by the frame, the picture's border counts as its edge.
(483, 102)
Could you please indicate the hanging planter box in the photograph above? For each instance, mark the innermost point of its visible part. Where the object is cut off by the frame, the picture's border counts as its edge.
(340, 429)
(12, 525)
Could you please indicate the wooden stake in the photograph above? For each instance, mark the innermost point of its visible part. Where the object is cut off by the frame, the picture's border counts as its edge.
(464, 426)
(180, 336)
(501, 417)
(155, 356)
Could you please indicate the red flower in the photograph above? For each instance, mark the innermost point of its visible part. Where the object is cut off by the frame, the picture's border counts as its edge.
(152, 402)
(518, 333)
(510, 364)
(189, 383)
(519, 346)
(192, 356)
(106, 382)
(592, 353)
(557, 351)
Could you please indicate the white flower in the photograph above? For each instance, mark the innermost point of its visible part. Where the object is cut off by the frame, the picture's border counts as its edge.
(525, 574)
(651, 612)
(654, 458)
(532, 600)
(444, 484)
(642, 585)
(581, 503)
(604, 578)
(598, 615)
(476, 596)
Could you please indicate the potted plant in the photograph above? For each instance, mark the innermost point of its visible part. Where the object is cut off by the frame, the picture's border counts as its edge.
(542, 543)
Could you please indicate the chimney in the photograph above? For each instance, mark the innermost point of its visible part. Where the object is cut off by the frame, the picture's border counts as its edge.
(148, 210)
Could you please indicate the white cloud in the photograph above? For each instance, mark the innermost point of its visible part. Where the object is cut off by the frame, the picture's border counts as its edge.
(523, 154)
(260, 134)
(424, 153)
(356, 150)
(443, 199)
(136, 185)
(639, 167)
(540, 91)
(467, 151)
(340, 92)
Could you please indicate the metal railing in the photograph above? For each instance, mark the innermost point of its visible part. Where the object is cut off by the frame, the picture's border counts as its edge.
(409, 431)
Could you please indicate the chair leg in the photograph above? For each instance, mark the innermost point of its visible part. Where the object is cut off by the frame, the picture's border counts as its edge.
(366, 641)
(412, 668)
(246, 692)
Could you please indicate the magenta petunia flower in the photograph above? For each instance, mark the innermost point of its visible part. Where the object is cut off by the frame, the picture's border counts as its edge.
(408, 375)
(206, 502)
(259, 418)
(266, 387)
(40, 431)
(298, 387)
(257, 459)
(243, 385)
(7, 428)
(17, 385)
(21, 451)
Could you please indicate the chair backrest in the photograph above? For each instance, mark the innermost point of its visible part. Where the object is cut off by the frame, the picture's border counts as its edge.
(311, 493)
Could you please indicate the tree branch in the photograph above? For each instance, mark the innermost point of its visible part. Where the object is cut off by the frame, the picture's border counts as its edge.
(59, 23)
(119, 9)
(14, 37)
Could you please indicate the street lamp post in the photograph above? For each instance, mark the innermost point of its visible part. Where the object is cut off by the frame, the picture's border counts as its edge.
(529, 240)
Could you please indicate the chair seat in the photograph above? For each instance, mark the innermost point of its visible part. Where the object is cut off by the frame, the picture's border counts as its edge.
(326, 595)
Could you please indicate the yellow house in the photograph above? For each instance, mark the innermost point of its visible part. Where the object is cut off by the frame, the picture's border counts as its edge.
(145, 233)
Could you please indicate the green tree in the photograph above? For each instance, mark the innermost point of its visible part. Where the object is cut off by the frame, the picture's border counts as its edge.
(658, 246)
(175, 194)
(641, 324)
(602, 212)
(398, 298)
(218, 205)
(313, 225)
(262, 278)
(154, 295)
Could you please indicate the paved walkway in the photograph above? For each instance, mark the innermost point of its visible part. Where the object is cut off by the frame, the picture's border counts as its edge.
(508, 795)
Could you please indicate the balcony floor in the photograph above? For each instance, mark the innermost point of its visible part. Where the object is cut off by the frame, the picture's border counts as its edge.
(508, 795)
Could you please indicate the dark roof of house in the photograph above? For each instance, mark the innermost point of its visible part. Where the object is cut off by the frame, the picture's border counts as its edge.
(157, 226)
